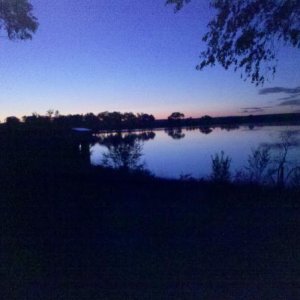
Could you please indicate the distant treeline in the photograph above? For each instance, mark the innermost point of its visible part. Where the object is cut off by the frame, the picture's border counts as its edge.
(102, 121)
(206, 121)
(117, 121)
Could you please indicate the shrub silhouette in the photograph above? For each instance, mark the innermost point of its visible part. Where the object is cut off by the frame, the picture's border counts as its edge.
(220, 168)
(258, 163)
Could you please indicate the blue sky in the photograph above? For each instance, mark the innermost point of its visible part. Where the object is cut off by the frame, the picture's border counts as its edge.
(121, 55)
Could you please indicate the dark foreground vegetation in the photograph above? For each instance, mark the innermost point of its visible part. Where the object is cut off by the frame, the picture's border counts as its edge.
(73, 231)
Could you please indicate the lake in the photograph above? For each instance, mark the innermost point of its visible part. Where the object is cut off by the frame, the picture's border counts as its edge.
(172, 153)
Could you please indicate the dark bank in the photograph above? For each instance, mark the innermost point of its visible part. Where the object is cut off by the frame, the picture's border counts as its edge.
(74, 231)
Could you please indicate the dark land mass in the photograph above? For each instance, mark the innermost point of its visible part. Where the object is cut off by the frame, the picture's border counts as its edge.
(255, 120)
(73, 231)
(130, 121)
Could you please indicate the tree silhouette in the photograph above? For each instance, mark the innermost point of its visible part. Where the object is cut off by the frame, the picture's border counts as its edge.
(17, 20)
(244, 34)
(176, 116)
(12, 121)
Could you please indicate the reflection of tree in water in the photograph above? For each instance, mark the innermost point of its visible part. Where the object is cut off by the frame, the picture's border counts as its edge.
(115, 137)
(205, 130)
(175, 133)
(191, 128)
(229, 127)
(125, 150)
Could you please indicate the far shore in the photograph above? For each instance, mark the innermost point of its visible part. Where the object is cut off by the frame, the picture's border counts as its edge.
(116, 121)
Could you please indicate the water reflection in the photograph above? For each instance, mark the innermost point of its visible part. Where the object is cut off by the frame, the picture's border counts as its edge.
(285, 169)
(123, 153)
(230, 127)
(206, 130)
(175, 133)
(290, 138)
(190, 149)
(124, 150)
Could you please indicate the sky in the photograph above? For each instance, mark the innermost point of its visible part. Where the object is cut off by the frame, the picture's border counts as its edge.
(131, 55)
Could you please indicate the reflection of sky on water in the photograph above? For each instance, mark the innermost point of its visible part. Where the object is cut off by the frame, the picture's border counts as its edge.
(97, 152)
(168, 157)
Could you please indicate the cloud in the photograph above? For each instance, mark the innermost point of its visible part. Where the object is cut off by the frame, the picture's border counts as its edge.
(255, 109)
(276, 90)
(292, 95)
(295, 102)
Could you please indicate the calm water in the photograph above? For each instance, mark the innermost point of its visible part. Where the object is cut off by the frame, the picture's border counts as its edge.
(171, 154)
